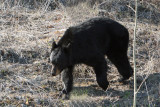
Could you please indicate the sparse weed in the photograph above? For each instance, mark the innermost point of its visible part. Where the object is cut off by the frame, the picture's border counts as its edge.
(25, 31)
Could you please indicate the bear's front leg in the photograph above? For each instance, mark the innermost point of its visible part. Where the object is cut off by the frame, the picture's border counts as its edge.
(67, 79)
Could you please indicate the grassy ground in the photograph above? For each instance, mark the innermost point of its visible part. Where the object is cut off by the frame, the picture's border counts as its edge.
(25, 79)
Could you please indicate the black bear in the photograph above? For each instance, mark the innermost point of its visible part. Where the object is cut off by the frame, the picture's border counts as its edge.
(88, 43)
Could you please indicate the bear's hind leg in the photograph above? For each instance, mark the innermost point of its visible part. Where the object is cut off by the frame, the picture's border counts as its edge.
(120, 60)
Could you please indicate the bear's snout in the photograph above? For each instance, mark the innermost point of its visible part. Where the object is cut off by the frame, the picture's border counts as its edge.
(55, 71)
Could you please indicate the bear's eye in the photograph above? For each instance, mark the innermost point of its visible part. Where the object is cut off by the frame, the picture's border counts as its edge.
(55, 52)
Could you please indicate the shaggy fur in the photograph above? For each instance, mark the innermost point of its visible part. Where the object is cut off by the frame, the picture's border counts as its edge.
(88, 43)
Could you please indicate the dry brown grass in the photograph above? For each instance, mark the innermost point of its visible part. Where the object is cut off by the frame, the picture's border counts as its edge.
(25, 80)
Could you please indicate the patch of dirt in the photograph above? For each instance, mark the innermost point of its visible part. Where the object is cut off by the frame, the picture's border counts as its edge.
(25, 79)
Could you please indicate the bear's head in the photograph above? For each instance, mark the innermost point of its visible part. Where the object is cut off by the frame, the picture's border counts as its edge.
(59, 58)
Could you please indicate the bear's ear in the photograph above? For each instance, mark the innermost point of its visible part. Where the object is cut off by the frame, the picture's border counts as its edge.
(66, 47)
(54, 45)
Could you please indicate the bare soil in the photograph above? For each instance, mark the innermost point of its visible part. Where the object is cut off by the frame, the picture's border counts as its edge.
(25, 79)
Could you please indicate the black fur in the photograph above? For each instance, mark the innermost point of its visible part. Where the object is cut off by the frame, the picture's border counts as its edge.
(88, 43)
